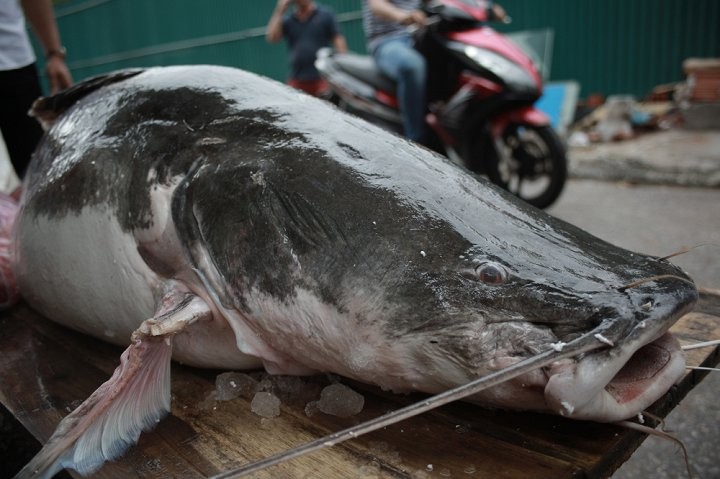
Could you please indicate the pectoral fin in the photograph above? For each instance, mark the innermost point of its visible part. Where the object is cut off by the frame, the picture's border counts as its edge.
(133, 400)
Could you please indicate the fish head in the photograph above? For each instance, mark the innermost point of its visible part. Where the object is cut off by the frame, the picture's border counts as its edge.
(426, 280)
(416, 296)
(536, 284)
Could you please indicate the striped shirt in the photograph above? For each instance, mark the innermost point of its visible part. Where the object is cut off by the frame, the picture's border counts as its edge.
(377, 29)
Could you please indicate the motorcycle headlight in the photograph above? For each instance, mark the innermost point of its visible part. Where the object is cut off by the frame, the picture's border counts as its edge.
(513, 74)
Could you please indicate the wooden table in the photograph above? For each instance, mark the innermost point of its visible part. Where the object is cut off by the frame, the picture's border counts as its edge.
(46, 370)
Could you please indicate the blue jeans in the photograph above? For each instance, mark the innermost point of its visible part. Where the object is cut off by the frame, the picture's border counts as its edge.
(397, 58)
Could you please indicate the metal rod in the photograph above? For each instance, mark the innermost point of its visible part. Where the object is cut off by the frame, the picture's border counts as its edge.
(583, 344)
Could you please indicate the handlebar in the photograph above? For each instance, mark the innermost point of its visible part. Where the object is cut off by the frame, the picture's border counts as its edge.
(435, 11)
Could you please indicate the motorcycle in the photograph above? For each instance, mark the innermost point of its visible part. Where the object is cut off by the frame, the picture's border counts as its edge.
(481, 90)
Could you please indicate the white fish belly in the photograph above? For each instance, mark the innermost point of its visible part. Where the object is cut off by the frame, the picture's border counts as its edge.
(84, 272)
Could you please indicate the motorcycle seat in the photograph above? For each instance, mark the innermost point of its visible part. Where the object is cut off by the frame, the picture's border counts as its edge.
(364, 68)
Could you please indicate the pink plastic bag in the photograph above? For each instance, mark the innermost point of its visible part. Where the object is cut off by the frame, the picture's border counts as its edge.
(9, 293)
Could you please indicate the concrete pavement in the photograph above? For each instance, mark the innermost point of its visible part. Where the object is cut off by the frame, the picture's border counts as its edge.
(672, 157)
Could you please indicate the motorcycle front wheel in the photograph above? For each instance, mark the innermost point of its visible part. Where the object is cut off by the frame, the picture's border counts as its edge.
(529, 161)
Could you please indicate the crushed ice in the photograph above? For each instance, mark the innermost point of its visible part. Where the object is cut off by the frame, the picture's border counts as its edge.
(311, 408)
(339, 400)
(228, 386)
(265, 404)
(268, 392)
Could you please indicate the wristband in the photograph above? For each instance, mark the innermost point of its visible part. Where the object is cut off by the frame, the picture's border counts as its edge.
(59, 52)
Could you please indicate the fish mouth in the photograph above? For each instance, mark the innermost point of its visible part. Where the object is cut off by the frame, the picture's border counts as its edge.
(607, 391)
(650, 368)
(621, 381)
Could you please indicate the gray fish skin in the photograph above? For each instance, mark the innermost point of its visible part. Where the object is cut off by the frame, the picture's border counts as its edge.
(322, 243)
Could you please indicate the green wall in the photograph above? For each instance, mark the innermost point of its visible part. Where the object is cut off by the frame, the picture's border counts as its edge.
(622, 46)
(611, 46)
(103, 35)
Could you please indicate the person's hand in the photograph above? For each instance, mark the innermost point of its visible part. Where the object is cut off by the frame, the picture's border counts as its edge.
(499, 13)
(283, 5)
(58, 74)
(415, 17)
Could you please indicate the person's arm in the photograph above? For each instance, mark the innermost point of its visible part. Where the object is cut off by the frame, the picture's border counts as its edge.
(497, 12)
(387, 11)
(338, 40)
(41, 17)
(339, 43)
(274, 26)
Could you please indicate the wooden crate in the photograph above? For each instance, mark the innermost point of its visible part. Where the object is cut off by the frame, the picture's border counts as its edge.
(705, 74)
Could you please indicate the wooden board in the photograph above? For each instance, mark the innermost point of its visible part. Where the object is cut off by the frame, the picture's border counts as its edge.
(47, 370)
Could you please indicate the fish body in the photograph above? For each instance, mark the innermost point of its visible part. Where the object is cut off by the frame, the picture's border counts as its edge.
(278, 231)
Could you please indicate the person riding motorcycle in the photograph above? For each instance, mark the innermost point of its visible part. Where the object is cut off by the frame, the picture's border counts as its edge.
(480, 91)
(390, 43)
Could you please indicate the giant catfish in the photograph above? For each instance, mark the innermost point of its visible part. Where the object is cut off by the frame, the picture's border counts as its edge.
(219, 218)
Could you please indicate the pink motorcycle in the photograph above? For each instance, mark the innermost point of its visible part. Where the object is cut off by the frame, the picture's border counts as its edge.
(481, 91)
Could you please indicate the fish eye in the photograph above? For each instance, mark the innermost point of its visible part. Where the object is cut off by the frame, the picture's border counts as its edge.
(491, 273)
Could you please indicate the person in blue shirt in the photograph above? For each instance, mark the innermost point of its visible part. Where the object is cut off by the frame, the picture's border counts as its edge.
(307, 29)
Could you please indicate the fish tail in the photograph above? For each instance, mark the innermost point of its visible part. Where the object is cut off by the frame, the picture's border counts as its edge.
(133, 400)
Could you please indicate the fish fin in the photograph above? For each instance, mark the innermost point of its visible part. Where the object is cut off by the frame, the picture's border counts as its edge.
(133, 400)
(47, 109)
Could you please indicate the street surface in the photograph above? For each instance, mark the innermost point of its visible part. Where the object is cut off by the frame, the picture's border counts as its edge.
(661, 220)
(655, 220)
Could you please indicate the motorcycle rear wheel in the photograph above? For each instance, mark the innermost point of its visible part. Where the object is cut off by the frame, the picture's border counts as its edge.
(529, 161)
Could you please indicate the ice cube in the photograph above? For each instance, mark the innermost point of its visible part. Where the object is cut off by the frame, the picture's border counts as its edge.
(231, 385)
(339, 400)
(311, 408)
(265, 404)
(265, 385)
